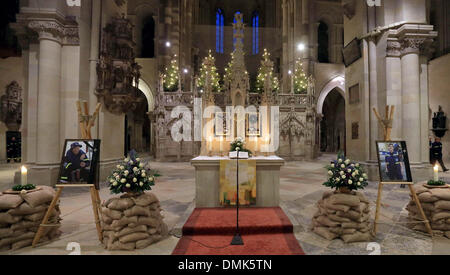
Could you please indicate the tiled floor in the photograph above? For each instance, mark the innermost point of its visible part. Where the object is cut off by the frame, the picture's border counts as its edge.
(301, 187)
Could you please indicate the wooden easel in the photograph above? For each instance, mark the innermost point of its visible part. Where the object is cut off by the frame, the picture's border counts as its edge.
(387, 126)
(86, 123)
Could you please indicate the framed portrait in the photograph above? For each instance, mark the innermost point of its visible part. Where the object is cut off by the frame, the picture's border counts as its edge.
(393, 161)
(220, 125)
(79, 162)
(253, 125)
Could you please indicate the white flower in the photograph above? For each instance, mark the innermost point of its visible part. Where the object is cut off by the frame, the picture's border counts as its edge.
(138, 159)
(115, 174)
(344, 177)
(347, 161)
(338, 179)
(354, 174)
(126, 172)
(342, 172)
(343, 166)
(151, 179)
(115, 183)
(143, 175)
(340, 160)
(117, 177)
(349, 170)
(111, 181)
(126, 160)
(141, 165)
(122, 167)
(359, 184)
(135, 169)
(131, 162)
(350, 182)
(332, 165)
(364, 175)
(361, 179)
(128, 185)
(330, 173)
(238, 149)
(134, 179)
(357, 172)
(141, 184)
(123, 180)
(118, 166)
(352, 165)
(357, 165)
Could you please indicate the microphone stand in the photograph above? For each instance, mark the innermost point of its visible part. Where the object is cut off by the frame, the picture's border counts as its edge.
(237, 239)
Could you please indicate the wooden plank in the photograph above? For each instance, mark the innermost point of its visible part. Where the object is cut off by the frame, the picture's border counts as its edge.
(377, 211)
(52, 206)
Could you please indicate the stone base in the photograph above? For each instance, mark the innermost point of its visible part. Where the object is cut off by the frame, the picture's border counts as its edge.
(132, 222)
(21, 215)
(343, 215)
(207, 181)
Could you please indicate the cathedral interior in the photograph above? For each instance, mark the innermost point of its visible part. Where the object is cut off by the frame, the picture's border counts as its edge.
(325, 64)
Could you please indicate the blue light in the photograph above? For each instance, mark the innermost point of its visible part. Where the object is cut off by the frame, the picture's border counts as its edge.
(255, 25)
(219, 31)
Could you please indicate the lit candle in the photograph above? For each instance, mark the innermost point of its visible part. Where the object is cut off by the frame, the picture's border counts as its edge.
(256, 145)
(24, 175)
(436, 173)
(221, 145)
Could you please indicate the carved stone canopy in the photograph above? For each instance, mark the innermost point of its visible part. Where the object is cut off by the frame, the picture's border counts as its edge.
(11, 106)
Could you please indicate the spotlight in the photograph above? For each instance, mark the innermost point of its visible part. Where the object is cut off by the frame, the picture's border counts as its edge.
(301, 47)
(289, 72)
(168, 44)
(185, 71)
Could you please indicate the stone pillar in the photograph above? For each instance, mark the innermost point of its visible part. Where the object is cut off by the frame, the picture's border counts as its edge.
(49, 87)
(286, 77)
(411, 97)
(373, 98)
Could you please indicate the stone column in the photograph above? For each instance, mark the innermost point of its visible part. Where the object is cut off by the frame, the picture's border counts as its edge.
(48, 109)
(373, 98)
(286, 77)
(411, 97)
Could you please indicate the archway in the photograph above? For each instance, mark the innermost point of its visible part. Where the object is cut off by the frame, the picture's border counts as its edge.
(337, 83)
(332, 125)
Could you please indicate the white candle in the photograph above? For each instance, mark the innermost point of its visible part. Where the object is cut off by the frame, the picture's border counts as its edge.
(221, 145)
(24, 175)
(436, 173)
(256, 145)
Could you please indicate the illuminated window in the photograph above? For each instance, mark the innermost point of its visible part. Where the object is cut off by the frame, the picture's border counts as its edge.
(255, 26)
(219, 31)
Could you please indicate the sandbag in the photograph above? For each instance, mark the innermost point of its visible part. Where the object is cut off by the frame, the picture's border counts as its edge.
(337, 207)
(148, 221)
(443, 194)
(24, 225)
(440, 215)
(8, 218)
(124, 221)
(356, 237)
(23, 243)
(129, 230)
(447, 234)
(337, 218)
(427, 197)
(26, 209)
(421, 189)
(8, 201)
(362, 198)
(137, 211)
(325, 233)
(344, 199)
(6, 232)
(113, 214)
(145, 243)
(45, 195)
(145, 199)
(122, 246)
(324, 220)
(120, 204)
(444, 205)
(134, 237)
(327, 194)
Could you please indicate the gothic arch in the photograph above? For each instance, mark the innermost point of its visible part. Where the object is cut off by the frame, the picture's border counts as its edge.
(149, 94)
(338, 83)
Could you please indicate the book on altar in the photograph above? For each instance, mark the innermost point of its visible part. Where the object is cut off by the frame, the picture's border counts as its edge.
(242, 155)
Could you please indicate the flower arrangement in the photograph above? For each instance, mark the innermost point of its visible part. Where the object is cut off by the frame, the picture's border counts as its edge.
(344, 173)
(27, 187)
(239, 145)
(132, 176)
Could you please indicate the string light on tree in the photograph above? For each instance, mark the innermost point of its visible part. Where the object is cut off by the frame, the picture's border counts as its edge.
(266, 71)
(172, 76)
(208, 74)
(300, 79)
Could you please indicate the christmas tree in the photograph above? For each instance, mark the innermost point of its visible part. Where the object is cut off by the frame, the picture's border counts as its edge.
(266, 70)
(208, 74)
(300, 79)
(172, 76)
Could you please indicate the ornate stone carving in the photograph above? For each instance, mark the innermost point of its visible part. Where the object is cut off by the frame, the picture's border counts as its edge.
(411, 45)
(54, 30)
(117, 72)
(393, 49)
(11, 106)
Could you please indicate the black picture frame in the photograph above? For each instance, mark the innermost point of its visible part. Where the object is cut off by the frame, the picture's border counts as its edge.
(352, 52)
(393, 162)
(72, 174)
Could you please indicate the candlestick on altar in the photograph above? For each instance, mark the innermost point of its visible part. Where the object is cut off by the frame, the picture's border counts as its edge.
(24, 173)
(255, 143)
(436, 172)
(210, 146)
(267, 142)
(221, 146)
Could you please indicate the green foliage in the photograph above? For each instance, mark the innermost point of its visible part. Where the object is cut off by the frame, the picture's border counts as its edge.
(27, 187)
(264, 72)
(132, 176)
(436, 183)
(239, 144)
(300, 79)
(172, 76)
(343, 172)
(208, 72)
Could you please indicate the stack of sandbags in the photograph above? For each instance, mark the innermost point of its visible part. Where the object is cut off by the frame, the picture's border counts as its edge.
(343, 215)
(436, 205)
(20, 217)
(132, 222)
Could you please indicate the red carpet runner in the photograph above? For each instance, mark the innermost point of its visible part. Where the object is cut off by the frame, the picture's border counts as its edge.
(265, 231)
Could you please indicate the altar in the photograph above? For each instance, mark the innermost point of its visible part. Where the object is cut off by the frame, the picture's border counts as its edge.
(207, 181)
